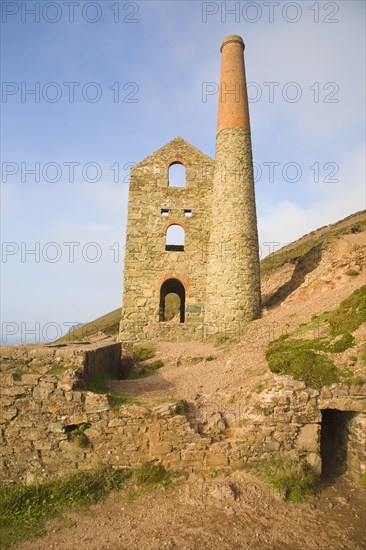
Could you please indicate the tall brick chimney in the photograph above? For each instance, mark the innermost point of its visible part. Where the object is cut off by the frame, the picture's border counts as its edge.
(233, 279)
(233, 100)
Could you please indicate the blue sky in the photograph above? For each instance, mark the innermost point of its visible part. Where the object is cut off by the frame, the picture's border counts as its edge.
(161, 57)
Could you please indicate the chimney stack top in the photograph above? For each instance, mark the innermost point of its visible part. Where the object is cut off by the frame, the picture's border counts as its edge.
(232, 38)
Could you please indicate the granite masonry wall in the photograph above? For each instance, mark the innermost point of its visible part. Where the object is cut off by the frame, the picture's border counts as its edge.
(233, 279)
(148, 265)
(40, 413)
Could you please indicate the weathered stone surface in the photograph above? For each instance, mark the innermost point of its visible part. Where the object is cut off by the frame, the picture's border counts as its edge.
(217, 460)
(147, 262)
(96, 403)
(308, 438)
(280, 422)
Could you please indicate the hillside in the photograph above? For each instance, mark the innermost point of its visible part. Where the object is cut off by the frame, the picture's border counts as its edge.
(302, 253)
(105, 327)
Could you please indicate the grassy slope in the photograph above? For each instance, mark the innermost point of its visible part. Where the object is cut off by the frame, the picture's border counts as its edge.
(293, 251)
(108, 324)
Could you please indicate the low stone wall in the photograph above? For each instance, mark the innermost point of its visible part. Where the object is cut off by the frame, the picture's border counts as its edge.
(91, 359)
(40, 411)
(105, 359)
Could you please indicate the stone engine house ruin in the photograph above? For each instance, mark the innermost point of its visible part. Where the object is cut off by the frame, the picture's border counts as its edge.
(192, 241)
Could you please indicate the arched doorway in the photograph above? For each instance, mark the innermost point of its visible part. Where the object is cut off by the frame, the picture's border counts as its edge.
(172, 301)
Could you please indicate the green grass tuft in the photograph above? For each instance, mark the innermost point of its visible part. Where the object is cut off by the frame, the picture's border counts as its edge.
(350, 313)
(352, 273)
(143, 353)
(294, 480)
(100, 384)
(23, 510)
(297, 358)
(146, 370)
(149, 474)
(342, 344)
(56, 369)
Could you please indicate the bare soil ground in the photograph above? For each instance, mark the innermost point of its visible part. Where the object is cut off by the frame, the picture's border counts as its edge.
(237, 511)
(225, 513)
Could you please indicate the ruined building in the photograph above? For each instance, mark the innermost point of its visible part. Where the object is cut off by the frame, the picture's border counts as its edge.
(195, 239)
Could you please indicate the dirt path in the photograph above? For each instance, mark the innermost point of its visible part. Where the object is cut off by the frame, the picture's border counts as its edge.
(225, 513)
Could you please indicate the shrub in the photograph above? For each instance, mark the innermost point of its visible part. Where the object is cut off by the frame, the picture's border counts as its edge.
(182, 407)
(79, 436)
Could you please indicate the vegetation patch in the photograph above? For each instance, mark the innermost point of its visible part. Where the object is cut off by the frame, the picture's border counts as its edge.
(145, 370)
(307, 359)
(57, 369)
(345, 342)
(107, 324)
(78, 435)
(350, 313)
(318, 239)
(363, 353)
(149, 477)
(100, 384)
(293, 480)
(297, 358)
(150, 474)
(23, 510)
(143, 353)
(352, 273)
(18, 368)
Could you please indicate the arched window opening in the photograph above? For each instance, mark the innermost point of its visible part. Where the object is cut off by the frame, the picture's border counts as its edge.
(175, 238)
(172, 301)
(177, 175)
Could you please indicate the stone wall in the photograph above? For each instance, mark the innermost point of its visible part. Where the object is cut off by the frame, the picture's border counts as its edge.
(104, 360)
(40, 412)
(92, 359)
(233, 278)
(147, 263)
(219, 267)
